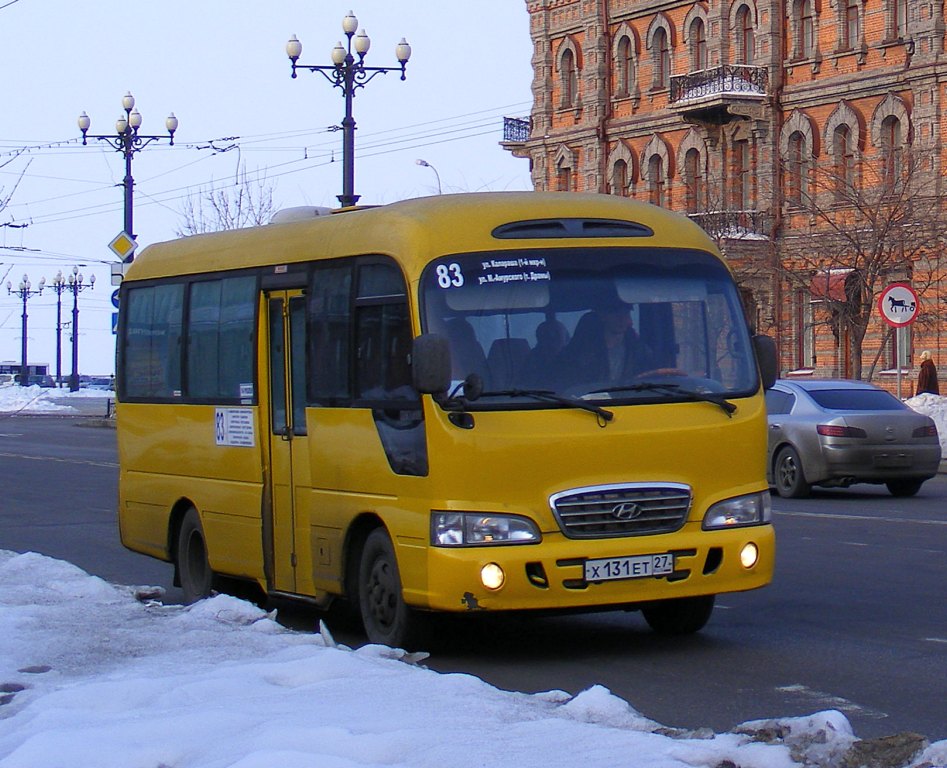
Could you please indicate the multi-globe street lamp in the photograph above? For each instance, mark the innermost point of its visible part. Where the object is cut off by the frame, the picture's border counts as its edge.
(75, 287)
(128, 140)
(25, 290)
(60, 286)
(349, 74)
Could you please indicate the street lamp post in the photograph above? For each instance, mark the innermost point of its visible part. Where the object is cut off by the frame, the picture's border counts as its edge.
(128, 141)
(25, 291)
(426, 164)
(75, 287)
(59, 286)
(349, 75)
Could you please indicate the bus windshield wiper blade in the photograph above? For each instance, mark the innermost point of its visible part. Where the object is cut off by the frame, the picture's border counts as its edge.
(552, 397)
(674, 389)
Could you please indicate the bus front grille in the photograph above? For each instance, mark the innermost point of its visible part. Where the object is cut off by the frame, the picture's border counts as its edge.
(636, 509)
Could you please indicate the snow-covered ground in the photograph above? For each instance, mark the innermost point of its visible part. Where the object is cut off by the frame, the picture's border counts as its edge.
(36, 399)
(94, 675)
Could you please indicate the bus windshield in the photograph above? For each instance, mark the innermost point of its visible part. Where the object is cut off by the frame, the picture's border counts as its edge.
(616, 325)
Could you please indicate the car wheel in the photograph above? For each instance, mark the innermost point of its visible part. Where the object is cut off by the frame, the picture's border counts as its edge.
(681, 616)
(904, 487)
(194, 573)
(385, 616)
(788, 477)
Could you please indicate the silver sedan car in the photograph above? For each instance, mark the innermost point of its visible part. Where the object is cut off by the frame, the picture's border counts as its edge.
(839, 432)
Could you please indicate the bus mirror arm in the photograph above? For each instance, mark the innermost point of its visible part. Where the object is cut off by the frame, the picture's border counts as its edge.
(767, 358)
(431, 365)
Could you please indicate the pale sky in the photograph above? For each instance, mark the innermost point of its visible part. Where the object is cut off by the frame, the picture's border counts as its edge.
(221, 67)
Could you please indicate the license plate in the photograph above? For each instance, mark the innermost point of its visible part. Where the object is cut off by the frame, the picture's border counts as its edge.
(634, 567)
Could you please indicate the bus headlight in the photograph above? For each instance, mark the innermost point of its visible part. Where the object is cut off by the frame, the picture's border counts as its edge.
(753, 509)
(466, 529)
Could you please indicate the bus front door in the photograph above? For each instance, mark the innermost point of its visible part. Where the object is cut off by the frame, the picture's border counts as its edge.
(288, 447)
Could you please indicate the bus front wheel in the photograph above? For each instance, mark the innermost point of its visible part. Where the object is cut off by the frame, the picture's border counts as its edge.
(194, 573)
(679, 616)
(385, 616)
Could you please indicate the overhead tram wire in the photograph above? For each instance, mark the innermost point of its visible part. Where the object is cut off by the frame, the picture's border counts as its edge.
(381, 146)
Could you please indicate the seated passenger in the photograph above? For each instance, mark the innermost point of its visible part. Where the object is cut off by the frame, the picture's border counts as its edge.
(466, 354)
(551, 337)
(604, 349)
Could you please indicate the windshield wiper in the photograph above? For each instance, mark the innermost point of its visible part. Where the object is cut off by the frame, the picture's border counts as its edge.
(549, 396)
(674, 389)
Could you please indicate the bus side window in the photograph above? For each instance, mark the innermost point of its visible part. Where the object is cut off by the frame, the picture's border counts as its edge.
(329, 335)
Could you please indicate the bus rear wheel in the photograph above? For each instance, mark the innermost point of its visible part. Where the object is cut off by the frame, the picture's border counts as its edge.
(194, 573)
(679, 616)
(386, 617)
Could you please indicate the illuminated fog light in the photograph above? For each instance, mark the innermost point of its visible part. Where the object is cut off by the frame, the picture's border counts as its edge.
(492, 576)
(749, 555)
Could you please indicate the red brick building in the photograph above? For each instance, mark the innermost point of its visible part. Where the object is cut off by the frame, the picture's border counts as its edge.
(805, 135)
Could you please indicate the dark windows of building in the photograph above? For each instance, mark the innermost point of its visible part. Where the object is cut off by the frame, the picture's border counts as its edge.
(661, 53)
(693, 181)
(656, 180)
(891, 151)
(744, 42)
(568, 79)
(796, 169)
(563, 178)
(743, 168)
(620, 178)
(844, 157)
(625, 65)
(805, 44)
(698, 45)
(850, 28)
(900, 18)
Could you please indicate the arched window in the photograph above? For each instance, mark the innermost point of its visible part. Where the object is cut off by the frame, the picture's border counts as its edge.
(744, 41)
(698, 39)
(850, 30)
(901, 18)
(569, 79)
(693, 182)
(620, 178)
(743, 192)
(563, 179)
(656, 180)
(796, 168)
(661, 53)
(891, 151)
(624, 68)
(806, 29)
(844, 162)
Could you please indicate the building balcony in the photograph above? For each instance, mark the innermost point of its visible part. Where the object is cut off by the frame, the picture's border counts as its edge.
(516, 130)
(734, 225)
(721, 94)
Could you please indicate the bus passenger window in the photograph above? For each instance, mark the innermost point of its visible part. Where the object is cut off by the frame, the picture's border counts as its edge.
(329, 334)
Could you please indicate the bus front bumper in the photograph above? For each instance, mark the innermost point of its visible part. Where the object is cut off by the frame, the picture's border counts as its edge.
(554, 574)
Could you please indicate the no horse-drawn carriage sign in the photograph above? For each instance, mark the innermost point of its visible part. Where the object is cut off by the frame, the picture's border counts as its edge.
(898, 304)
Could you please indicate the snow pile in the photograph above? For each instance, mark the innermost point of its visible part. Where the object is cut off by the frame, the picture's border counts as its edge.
(934, 406)
(92, 677)
(32, 399)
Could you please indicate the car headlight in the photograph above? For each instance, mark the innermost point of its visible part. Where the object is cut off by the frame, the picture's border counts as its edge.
(753, 509)
(466, 529)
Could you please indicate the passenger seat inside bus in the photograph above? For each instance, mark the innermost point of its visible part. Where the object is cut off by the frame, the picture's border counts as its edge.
(466, 353)
(507, 363)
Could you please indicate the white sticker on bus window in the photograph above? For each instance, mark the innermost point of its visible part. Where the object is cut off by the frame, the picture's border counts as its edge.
(234, 427)
(246, 391)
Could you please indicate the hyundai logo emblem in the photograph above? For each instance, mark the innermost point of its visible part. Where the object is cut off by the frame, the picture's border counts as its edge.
(627, 510)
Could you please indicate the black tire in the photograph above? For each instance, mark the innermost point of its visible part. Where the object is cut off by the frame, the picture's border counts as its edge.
(194, 573)
(788, 477)
(904, 488)
(385, 616)
(681, 616)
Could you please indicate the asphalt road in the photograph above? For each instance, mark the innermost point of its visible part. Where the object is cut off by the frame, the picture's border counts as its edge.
(856, 619)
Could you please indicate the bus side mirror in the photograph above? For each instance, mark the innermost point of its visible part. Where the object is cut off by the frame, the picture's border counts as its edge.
(767, 359)
(430, 364)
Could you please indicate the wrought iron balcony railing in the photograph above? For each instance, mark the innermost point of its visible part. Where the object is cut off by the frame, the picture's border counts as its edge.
(737, 80)
(516, 129)
(733, 224)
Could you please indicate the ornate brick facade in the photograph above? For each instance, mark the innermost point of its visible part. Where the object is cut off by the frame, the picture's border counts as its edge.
(752, 116)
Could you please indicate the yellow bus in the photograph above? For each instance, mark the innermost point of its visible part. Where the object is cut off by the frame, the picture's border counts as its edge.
(464, 403)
